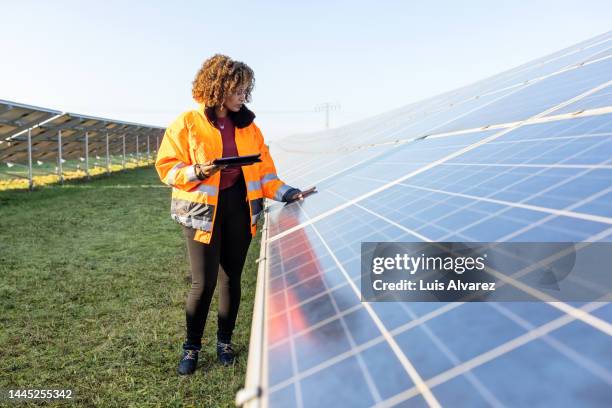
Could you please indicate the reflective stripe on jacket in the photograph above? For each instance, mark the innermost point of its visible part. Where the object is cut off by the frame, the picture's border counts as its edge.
(193, 138)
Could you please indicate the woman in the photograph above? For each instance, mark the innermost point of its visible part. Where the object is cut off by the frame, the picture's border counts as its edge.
(218, 207)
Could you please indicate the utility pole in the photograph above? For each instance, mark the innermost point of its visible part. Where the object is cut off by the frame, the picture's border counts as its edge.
(327, 106)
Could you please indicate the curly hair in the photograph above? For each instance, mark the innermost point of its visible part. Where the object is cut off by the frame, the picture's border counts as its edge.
(218, 77)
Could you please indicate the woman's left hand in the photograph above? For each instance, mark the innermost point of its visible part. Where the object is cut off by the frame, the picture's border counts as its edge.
(293, 195)
(297, 196)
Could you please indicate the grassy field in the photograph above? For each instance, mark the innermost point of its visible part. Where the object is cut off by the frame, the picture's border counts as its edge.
(93, 280)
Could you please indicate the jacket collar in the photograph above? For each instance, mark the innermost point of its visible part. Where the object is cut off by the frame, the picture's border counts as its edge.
(241, 119)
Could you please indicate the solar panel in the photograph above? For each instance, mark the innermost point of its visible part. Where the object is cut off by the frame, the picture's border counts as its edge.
(69, 141)
(16, 117)
(525, 156)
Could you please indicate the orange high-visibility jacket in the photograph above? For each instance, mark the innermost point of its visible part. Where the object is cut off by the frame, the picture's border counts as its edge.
(193, 138)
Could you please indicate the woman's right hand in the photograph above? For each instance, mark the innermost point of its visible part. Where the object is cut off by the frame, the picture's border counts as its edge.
(207, 169)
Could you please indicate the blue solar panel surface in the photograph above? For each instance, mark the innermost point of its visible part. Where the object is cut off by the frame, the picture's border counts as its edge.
(525, 156)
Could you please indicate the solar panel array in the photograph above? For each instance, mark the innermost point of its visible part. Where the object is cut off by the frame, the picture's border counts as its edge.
(37, 141)
(524, 156)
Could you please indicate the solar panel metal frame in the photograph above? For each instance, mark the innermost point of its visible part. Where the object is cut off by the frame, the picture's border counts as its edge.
(20, 124)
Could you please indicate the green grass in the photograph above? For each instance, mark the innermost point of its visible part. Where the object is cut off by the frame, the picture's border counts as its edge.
(93, 281)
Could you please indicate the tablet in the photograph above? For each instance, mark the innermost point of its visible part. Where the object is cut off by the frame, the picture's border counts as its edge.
(309, 191)
(238, 160)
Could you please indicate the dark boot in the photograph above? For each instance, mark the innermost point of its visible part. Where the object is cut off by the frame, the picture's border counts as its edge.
(225, 353)
(188, 362)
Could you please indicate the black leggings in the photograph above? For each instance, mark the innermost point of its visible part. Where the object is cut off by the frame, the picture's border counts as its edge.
(228, 247)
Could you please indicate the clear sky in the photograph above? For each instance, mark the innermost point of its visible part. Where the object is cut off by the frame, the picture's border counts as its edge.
(135, 60)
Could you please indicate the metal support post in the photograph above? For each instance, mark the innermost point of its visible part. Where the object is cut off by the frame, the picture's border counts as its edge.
(87, 155)
(59, 156)
(108, 169)
(30, 178)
